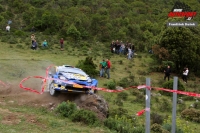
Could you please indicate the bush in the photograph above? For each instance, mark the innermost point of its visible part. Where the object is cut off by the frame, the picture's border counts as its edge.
(165, 105)
(19, 33)
(111, 85)
(118, 102)
(156, 128)
(156, 118)
(85, 116)
(122, 95)
(142, 72)
(88, 66)
(168, 127)
(191, 115)
(66, 109)
(181, 107)
(12, 40)
(169, 85)
(123, 82)
(122, 125)
(118, 111)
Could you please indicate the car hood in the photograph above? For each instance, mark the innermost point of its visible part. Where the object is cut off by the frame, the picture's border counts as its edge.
(74, 73)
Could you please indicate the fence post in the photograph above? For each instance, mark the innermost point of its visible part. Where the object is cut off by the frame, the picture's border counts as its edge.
(148, 96)
(175, 86)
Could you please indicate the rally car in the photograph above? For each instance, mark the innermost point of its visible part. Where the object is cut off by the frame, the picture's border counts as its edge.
(67, 78)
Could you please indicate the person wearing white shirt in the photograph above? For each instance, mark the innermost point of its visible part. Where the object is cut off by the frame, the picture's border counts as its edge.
(185, 74)
(8, 28)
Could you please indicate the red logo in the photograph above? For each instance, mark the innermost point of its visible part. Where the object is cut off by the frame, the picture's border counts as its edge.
(182, 14)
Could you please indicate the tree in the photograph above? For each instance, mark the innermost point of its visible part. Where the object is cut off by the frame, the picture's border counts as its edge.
(182, 44)
(73, 33)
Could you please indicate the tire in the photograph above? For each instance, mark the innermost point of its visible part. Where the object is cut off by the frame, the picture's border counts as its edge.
(52, 90)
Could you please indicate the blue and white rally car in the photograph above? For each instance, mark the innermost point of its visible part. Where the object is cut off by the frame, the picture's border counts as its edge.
(70, 79)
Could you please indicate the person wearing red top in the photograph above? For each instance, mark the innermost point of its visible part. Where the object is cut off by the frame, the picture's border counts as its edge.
(61, 44)
(108, 68)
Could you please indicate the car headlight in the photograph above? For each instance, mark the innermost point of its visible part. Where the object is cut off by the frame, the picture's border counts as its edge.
(62, 78)
(89, 80)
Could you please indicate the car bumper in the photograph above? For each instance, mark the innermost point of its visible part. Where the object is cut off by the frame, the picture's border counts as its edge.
(72, 88)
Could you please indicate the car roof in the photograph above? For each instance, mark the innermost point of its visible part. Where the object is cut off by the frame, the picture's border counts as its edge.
(70, 69)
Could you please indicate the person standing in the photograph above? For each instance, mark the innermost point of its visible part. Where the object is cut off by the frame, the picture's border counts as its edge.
(61, 44)
(34, 45)
(185, 74)
(167, 72)
(44, 44)
(102, 67)
(32, 38)
(108, 68)
(129, 53)
(8, 28)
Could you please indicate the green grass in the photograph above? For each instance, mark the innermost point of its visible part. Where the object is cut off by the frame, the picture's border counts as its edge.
(25, 62)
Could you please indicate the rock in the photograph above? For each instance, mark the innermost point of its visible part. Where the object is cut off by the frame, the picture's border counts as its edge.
(96, 104)
(119, 88)
(180, 101)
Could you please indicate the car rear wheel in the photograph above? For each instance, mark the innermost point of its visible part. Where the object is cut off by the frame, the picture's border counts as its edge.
(52, 90)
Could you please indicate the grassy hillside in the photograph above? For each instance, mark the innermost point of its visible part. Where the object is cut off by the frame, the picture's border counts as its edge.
(17, 63)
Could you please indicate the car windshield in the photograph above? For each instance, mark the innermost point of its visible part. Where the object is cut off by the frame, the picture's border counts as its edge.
(72, 71)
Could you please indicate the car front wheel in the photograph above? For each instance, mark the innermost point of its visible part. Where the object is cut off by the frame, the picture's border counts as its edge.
(52, 90)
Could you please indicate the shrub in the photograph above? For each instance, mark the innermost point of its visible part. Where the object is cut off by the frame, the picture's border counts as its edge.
(165, 105)
(181, 107)
(122, 95)
(191, 114)
(12, 40)
(142, 72)
(169, 85)
(140, 98)
(156, 118)
(19, 33)
(185, 127)
(123, 82)
(88, 66)
(120, 62)
(156, 128)
(85, 116)
(66, 108)
(111, 85)
(196, 105)
(118, 111)
(123, 125)
(168, 127)
(118, 102)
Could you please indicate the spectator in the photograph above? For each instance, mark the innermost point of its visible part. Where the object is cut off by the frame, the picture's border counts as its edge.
(34, 45)
(112, 45)
(167, 72)
(129, 53)
(32, 38)
(117, 47)
(102, 67)
(133, 49)
(185, 74)
(44, 44)
(9, 22)
(108, 68)
(8, 28)
(61, 44)
(122, 48)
